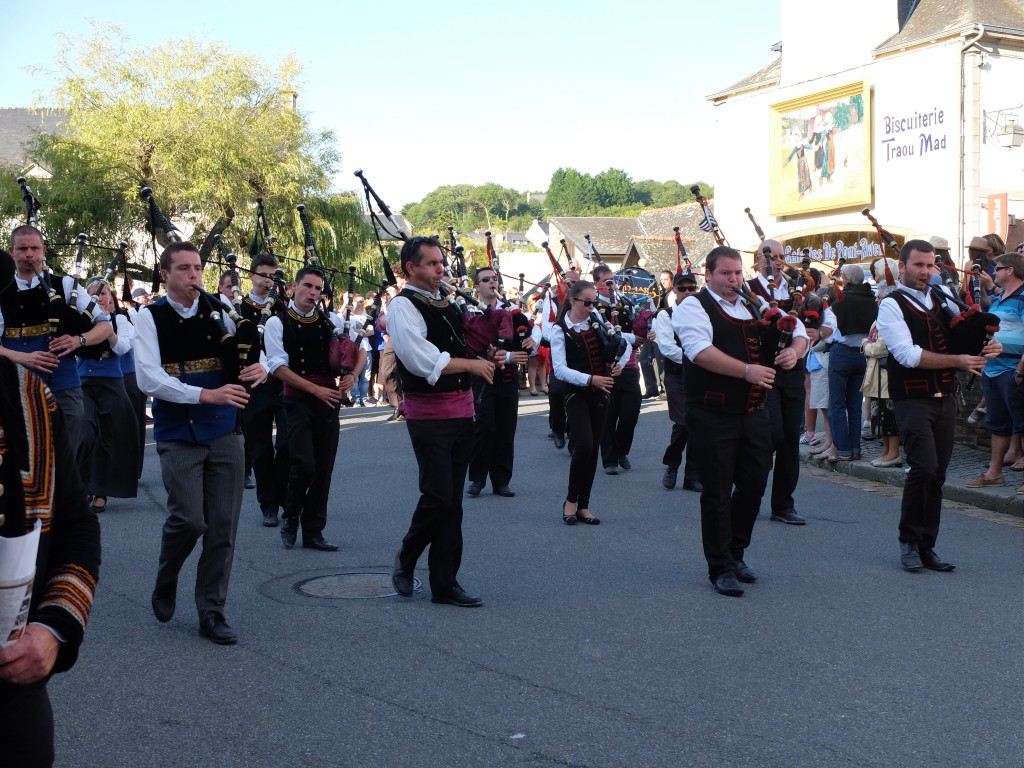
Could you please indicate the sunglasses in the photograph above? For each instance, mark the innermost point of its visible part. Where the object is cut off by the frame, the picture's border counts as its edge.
(586, 302)
(1005, 266)
(487, 279)
(687, 289)
(609, 282)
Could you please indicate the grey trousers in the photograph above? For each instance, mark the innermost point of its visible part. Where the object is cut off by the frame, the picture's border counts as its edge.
(204, 497)
(72, 405)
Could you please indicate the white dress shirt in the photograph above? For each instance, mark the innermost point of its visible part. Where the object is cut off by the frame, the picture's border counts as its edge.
(562, 371)
(408, 331)
(666, 338)
(781, 287)
(892, 326)
(125, 337)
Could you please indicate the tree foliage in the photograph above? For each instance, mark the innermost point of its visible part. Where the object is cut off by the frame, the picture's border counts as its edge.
(572, 193)
(468, 208)
(209, 129)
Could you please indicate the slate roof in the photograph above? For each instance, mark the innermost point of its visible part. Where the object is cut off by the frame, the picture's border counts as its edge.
(767, 75)
(19, 126)
(609, 235)
(949, 18)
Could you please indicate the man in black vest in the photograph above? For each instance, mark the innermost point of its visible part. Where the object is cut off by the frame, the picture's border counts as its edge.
(730, 432)
(496, 405)
(298, 353)
(625, 400)
(178, 357)
(265, 455)
(916, 327)
(788, 394)
(430, 344)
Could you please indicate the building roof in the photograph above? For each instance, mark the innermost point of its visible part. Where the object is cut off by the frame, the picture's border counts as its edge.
(18, 127)
(767, 75)
(609, 235)
(933, 19)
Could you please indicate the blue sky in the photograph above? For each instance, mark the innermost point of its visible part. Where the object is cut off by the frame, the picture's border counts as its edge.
(423, 94)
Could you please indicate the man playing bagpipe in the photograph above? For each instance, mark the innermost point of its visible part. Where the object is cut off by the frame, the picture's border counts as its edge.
(496, 403)
(732, 356)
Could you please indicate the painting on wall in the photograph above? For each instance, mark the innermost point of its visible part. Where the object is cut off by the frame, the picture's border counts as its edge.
(820, 151)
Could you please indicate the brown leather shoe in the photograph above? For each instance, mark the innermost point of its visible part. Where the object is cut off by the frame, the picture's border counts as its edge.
(984, 482)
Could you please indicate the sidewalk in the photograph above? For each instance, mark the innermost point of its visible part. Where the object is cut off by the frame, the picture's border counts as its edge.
(966, 464)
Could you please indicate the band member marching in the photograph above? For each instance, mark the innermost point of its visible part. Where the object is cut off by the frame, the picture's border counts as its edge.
(267, 456)
(556, 393)
(583, 359)
(728, 368)
(497, 403)
(430, 344)
(299, 353)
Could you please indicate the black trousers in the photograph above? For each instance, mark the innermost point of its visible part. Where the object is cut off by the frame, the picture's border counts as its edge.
(733, 455)
(267, 456)
(927, 428)
(556, 405)
(26, 725)
(623, 412)
(312, 448)
(586, 411)
(786, 414)
(494, 432)
(138, 400)
(646, 359)
(442, 448)
(676, 394)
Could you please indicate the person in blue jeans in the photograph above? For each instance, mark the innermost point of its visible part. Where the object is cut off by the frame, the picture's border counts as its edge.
(847, 323)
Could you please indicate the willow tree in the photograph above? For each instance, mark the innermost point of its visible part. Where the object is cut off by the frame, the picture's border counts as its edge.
(207, 128)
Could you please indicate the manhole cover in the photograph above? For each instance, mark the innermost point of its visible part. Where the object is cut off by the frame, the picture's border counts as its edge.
(349, 586)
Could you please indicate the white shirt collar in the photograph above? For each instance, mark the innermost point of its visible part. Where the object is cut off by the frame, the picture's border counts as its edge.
(182, 310)
(719, 299)
(257, 300)
(412, 287)
(300, 313)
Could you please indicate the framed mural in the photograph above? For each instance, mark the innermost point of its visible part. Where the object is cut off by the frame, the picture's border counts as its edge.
(820, 151)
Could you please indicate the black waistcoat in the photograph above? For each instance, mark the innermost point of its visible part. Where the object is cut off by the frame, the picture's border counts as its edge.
(444, 331)
(307, 340)
(758, 288)
(182, 340)
(583, 351)
(736, 338)
(929, 330)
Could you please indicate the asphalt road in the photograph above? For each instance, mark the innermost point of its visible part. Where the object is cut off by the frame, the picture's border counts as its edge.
(597, 646)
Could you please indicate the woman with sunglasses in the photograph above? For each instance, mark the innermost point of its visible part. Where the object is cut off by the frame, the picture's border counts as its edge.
(576, 357)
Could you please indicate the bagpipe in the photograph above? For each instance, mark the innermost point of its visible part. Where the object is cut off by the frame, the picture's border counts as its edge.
(970, 330)
(560, 276)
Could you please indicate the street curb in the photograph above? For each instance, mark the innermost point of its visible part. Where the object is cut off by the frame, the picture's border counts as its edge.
(1003, 499)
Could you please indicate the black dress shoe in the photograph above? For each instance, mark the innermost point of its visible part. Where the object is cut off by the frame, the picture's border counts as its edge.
(693, 485)
(551, 435)
(588, 520)
(624, 463)
(270, 518)
(669, 478)
(318, 542)
(744, 573)
(163, 606)
(505, 491)
(401, 580)
(611, 469)
(910, 558)
(215, 629)
(249, 483)
(788, 516)
(726, 584)
(559, 442)
(474, 489)
(457, 596)
(289, 530)
(932, 562)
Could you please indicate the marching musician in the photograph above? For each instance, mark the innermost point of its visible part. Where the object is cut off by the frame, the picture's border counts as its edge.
(129, 314)
(178, 358)
(922, 375)
(266, 455)
(787, 396)
(28, 338)
(625, 399)
(725, 375)
(496, 404)
(299, 354)
(110, 448)
(430, 345)
(580, 361)
(556, 395)
(684, 284)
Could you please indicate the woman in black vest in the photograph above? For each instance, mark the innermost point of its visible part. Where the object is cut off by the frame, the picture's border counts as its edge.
(577, 360)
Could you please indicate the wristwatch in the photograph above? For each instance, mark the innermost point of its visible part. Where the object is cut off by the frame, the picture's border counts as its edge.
(81, 341)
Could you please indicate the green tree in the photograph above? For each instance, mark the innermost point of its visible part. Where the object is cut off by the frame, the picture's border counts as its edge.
(571, 193)
(207, 128)
(614, 187)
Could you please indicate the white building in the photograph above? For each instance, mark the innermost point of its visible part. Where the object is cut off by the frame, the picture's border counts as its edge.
(931, 145)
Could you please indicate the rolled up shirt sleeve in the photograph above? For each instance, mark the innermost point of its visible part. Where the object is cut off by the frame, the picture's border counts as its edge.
(892, 327)
(408, 331)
